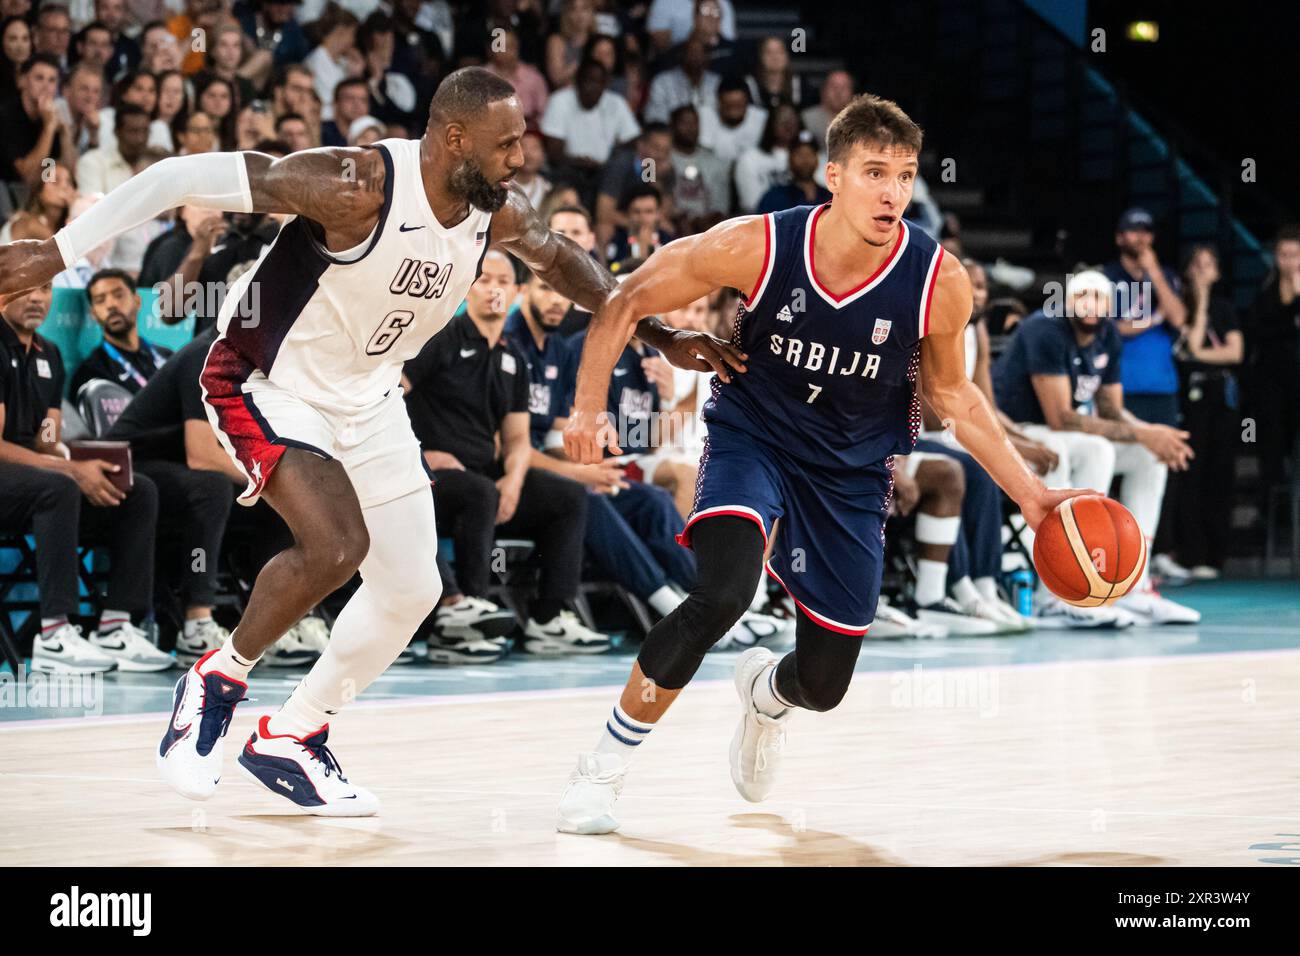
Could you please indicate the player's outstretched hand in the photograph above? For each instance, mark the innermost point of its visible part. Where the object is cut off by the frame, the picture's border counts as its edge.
(702, 352)
(1038, 509)
(588, 435)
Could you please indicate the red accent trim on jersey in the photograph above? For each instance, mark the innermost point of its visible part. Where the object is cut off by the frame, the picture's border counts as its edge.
(812, 261)
(929, 294)
(684, 539)
(767, 261)
(224, 372)
(813, 615)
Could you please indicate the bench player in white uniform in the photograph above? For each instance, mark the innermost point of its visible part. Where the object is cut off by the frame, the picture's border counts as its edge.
(302, 388)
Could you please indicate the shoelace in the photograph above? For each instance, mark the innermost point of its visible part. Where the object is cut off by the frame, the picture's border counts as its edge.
(772, 737)
(326, 758)
(226, 708)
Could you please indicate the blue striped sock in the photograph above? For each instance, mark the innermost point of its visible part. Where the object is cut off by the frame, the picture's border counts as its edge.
(622, 734)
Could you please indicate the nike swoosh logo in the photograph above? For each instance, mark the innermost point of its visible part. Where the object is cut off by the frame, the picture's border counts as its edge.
(405, 228)
(619, 371)
(55, 649)
(466, 353)
(119, 646)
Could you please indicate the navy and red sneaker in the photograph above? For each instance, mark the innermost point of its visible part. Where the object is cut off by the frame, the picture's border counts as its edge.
(302, 770)
(189, 757)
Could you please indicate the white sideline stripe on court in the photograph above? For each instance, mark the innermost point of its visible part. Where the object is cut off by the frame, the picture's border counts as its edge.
(55, 723)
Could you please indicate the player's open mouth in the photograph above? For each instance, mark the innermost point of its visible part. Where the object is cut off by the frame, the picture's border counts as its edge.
(886, 220)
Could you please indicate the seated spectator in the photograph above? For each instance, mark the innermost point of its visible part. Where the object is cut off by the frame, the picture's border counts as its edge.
(198, 18)
(529, 177)
(564, 47)
(125, 53)
(530, 85)
(835, 94)
(182, 249)
(218, 100)
(173, 443)
(351, 102)
(272, 25)
(626, 77)
(583, 124)
(159, 50)
(138, 89)
(292, 129)
(335, 58)
(671, 22)
(703, 181)
(104, 169)
(468, 400)
(292, 90)
(1272, 373)
(392, 94)
(649, 160)
(691, 83)
(33, 132)
(94, 46)
(1149, 314)
(1198, 500)
(1060, 380)
(52, 34)
(195, 132)
(761, 167)
(15, 50)
(803, 188)
(79, 107)
(53, 498)
(123, 356)
(733, 124)
(773, 83)
(642, 207)
(46, 211)
(253, 125)
(365, 131)
(173, 102)
(225, 57)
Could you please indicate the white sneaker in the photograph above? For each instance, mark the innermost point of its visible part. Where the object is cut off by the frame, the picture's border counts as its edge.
(189, 757)
(759, 739)
(469, 649)
(475, 618)
(891, 622)
(563, 634)
(1204, 572)
(1054, 614)
(587, 804)
(66, 651)
(132, 650)
(207, 637)
(960, 624)
(986, 610)
(314, 633)
(1169, 570)
(752, 629)
(1151, 609)
(302, 770)
(291, 650)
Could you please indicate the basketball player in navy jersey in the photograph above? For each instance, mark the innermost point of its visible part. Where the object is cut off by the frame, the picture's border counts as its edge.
(842, 303)
(301, 388)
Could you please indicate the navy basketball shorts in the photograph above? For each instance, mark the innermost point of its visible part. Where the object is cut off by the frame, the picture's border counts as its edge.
(829, 548)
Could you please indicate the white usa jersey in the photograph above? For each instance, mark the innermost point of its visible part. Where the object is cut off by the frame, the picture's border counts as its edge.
(335, 328)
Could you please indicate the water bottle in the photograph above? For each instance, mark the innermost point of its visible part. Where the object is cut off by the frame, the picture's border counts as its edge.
(1022, 591)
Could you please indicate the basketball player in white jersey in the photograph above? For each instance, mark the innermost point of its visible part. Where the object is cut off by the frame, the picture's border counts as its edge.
(302, 389)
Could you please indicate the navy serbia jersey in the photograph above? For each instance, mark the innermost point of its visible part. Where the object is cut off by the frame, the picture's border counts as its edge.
(831, 378)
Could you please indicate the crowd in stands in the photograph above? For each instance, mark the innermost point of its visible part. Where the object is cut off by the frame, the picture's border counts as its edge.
(646, 122)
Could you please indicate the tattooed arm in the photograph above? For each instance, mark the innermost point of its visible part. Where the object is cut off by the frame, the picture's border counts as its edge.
(1112, 421)
(341, 189)
(566, 267)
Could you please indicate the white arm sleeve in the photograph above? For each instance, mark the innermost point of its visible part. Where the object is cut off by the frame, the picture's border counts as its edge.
(211, 180)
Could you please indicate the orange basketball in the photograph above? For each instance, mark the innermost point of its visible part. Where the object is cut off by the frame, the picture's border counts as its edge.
(1089, 551)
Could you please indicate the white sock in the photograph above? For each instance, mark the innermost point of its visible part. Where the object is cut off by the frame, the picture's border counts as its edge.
(931, 576)
(760, 593)
(51, 624)
(192, 624)
(988, 588)
(965, 591)
(664, 601)
(301, 716)
(622, 735)
(110, 621)
(229, 662)
(766, 697)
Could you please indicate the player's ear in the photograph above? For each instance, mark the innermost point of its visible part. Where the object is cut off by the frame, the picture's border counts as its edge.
(832, 176)
(455, 138)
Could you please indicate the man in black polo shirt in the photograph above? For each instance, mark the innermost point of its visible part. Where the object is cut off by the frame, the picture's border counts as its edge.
(52, 497)
(466, 387)
(123, 356)
(173, 443)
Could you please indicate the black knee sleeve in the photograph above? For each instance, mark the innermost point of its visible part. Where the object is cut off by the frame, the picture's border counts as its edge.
(729, 555)
(816, 674)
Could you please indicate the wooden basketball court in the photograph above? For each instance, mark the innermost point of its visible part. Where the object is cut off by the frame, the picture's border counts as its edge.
(1138, 761)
